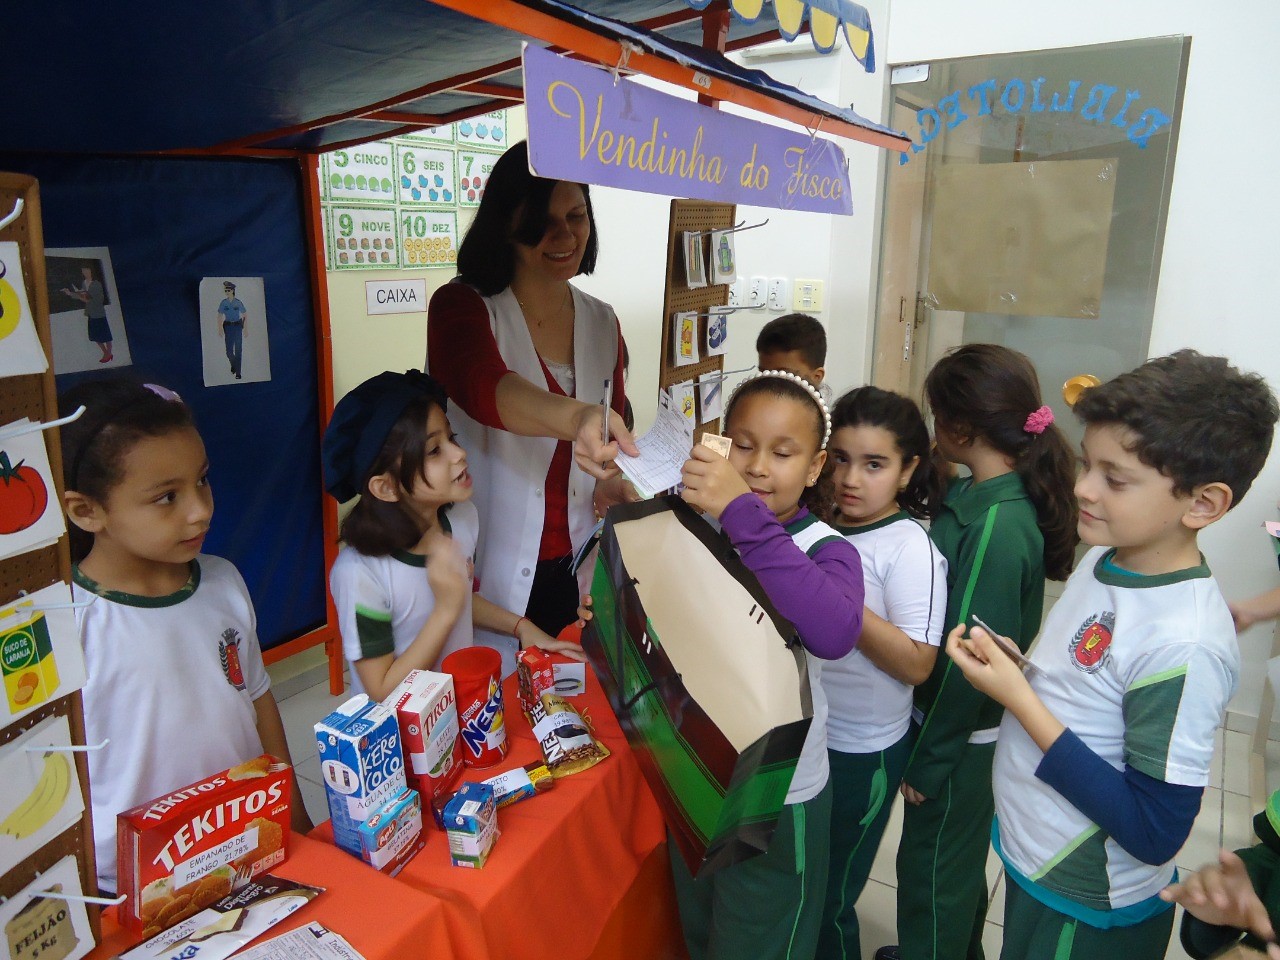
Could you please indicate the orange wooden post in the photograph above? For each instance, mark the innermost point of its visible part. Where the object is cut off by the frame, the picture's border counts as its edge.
(310, 165)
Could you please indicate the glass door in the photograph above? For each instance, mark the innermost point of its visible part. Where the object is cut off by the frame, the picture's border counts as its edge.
(1030, 209)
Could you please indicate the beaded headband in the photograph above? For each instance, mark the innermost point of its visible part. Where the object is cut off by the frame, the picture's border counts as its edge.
(106, 420)
(801, 381)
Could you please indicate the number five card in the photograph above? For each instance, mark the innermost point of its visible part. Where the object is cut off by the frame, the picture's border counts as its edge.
(30, 515)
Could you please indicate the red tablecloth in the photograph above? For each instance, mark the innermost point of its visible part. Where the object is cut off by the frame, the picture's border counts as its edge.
(579, 872)
(381, 918)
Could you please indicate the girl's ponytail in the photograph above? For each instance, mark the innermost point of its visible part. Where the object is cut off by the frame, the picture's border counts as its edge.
(990, 391)
(1047, 467)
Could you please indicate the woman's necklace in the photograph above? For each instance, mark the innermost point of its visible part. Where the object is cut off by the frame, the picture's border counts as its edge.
(538, 321)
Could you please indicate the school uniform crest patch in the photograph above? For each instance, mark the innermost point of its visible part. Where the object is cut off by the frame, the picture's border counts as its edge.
(229, 656)
(1090, 647)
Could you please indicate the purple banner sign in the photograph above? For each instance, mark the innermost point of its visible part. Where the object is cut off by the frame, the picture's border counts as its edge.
(587, 127)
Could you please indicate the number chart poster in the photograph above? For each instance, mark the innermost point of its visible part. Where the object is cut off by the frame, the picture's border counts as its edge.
(365, 237)
(394, 204)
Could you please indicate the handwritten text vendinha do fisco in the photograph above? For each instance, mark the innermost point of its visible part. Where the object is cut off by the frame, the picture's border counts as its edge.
(584, 126)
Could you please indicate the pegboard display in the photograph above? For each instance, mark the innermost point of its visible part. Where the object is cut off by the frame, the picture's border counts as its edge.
(35, 397)
(678, 297)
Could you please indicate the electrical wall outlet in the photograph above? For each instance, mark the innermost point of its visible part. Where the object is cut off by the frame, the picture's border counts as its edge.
(735, 292)
(756, 292)
(808, 296)
(777, 294)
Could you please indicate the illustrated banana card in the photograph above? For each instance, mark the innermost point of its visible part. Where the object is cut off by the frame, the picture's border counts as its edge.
(40, 655)
(20, 350)
(39, 790)
(46, 928)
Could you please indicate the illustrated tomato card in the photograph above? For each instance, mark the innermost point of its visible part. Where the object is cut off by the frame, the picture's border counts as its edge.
(39, 791)
(40, 927)
(30, 514)
(40, 654)
(20, 350)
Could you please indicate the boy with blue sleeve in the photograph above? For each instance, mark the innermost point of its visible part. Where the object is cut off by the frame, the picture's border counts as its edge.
(1104, 750)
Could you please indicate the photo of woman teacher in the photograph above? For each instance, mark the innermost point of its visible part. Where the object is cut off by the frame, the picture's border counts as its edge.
(524, 356)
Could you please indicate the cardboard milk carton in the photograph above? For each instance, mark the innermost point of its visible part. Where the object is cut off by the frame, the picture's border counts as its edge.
(471, 823)
(362, 765)
(427, 711)
(392, 836)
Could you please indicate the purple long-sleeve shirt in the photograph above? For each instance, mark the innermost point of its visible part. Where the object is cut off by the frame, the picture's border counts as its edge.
(821, 595)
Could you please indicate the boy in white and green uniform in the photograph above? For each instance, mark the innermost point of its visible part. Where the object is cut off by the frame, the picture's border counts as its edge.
(1139, 669)
(1104, 752)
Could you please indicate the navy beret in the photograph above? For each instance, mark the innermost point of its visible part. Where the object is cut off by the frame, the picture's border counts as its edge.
(361, 423)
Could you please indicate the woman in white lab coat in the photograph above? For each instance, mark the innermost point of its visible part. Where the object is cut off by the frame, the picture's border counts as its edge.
(524, 357)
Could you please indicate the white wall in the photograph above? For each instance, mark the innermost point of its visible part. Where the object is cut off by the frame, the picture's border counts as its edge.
(1219, 251)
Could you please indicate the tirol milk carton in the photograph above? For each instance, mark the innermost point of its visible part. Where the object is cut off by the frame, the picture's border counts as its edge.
(427, 710)
(361, 763)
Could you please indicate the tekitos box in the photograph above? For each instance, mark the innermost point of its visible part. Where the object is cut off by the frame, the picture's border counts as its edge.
(187, 849)
(361, 763)
(391, 837)
(471, 823)
(427, 711)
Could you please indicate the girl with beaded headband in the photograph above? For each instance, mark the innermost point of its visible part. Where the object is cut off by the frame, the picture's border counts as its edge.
(763, 496)
(1002, 529)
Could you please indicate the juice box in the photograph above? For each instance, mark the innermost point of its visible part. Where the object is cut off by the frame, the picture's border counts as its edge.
(427, 711)
(27, 663)
(390, 838)
(471, 823)
(361, 763)
(187, 849)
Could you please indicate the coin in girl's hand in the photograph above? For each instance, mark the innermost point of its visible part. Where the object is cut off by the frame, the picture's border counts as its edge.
(717, 443)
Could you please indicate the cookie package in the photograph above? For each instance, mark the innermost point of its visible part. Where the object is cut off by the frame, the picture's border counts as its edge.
(185, 850)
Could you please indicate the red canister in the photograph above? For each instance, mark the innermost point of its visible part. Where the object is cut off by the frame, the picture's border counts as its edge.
(477, 683)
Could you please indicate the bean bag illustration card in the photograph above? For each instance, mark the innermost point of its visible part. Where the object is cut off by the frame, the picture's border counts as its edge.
(40, 655)
(30, 514)
(38, 927)
(40, 796)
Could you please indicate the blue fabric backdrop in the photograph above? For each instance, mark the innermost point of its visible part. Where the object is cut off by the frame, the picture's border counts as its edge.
(168, 223)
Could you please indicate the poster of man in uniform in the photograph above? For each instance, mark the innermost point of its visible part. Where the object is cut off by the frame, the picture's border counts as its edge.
(233, 331)
(84, 310)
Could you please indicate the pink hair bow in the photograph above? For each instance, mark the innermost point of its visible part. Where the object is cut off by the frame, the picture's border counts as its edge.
(1038, 420)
